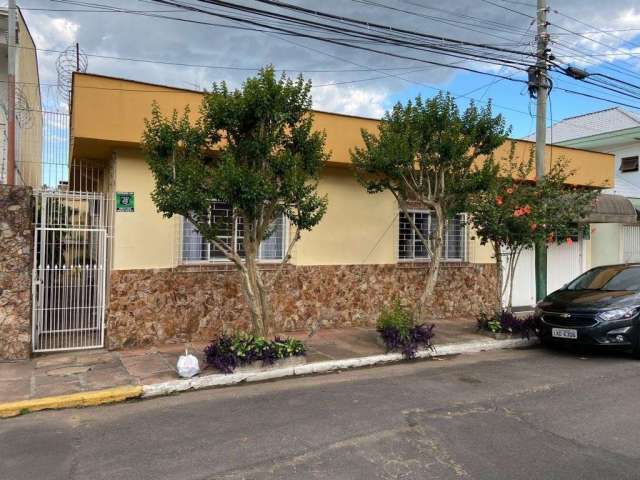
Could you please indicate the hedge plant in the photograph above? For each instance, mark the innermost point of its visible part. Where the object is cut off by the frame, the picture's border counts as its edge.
(396, 325)
(227, 352)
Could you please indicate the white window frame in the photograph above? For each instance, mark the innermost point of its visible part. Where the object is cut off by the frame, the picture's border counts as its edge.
(444, 258)
(210, 260)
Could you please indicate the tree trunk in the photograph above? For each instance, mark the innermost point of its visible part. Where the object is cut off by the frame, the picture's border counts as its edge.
(255, 292)
(513, 263)
(497, 251)
(434, 267)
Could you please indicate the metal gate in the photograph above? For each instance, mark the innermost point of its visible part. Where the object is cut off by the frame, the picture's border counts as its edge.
(69, 271)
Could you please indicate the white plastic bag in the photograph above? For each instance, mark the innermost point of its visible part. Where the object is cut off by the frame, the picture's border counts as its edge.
(188, 365)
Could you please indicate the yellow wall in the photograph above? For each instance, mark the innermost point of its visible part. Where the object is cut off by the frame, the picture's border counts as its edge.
(143, 238)
(108, 116)
(357, 228)
(109, 111)
(586, 167)
(29, 148)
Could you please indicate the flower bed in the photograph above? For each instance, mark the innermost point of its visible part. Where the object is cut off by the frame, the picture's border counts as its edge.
(229, 352)
(400, 333)
(506, 324)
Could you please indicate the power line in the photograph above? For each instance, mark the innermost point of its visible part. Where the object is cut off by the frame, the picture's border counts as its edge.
(337, 42)
(350, 32)
(595, 28)
(330, 16)
(636, 107)
(325, 53)
(342, 42)
(589, 61)
(483, 22)
(507, 8)
(585, 37)
(214, 67)
(455, 23)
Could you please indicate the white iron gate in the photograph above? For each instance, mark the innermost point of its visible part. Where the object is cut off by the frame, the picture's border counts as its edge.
(69, 272)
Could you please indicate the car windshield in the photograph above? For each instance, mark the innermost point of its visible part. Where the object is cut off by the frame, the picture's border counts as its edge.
(616, 278)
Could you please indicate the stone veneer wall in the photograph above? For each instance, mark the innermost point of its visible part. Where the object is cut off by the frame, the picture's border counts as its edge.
(16, 263)
(192, 304)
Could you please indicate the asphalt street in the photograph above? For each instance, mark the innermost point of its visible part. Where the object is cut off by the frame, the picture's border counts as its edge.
(525, 414)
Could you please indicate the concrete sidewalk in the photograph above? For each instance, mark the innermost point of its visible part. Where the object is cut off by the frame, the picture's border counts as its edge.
(87, 371)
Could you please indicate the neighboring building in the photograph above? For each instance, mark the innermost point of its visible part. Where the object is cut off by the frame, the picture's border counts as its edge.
(615, 131)
(157, 281)
(28, 127)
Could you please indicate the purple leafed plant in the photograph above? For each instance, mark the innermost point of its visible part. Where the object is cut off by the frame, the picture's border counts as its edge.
(227, 352)
(219, 354)
(399, 332)
(508, 322)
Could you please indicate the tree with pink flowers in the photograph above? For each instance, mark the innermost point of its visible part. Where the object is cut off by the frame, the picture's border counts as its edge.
(513, 213)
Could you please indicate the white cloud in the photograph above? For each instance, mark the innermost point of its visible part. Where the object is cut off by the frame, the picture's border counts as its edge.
(54, 32)
(367, 102)
(135, 36)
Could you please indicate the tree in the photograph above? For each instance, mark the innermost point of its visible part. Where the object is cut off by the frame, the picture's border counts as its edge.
(253, 149)
(427, 152)
(513, 213)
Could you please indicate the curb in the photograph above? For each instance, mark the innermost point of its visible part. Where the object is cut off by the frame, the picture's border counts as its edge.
(120, 394)
(84, 399)
(222, 380)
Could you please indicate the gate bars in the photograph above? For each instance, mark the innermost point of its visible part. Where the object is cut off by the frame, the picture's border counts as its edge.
(69, 274)
(73, 215)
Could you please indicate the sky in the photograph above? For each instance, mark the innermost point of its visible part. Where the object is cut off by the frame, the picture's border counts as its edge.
(346, 80)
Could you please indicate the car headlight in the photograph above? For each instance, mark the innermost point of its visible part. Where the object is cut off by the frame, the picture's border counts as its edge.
(617, 314)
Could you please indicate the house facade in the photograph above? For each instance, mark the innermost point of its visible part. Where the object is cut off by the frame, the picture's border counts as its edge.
(164, 284)
(28, 106)
(615, 131)
(16, 211)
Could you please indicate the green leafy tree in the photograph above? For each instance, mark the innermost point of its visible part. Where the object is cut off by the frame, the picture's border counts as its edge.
(514, 213)
(253, 149)
(427, 152)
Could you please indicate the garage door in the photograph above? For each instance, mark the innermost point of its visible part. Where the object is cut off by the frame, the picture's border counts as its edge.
(564, 263)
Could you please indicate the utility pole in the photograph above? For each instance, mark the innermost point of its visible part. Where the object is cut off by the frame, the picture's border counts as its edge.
(11, 93)
(541, 136)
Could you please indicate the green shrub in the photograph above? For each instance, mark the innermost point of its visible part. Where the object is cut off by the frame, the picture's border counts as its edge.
(227, 352)
(396, 317)
(399, 331)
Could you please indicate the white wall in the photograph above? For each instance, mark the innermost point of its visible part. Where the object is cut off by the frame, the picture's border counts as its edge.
(605, 244)
(627, 184)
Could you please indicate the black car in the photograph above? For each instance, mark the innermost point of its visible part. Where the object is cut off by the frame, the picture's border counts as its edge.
(601, 307)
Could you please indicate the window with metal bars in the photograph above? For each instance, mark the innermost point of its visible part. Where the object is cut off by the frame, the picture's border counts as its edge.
(410, 246)
(196, 249)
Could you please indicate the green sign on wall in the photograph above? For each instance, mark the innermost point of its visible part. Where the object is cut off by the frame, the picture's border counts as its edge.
(124, 202)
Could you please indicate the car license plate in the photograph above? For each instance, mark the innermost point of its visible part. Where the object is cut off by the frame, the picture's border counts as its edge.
(564, 333)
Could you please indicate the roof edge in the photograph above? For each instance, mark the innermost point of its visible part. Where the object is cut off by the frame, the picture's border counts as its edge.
(200, 92)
